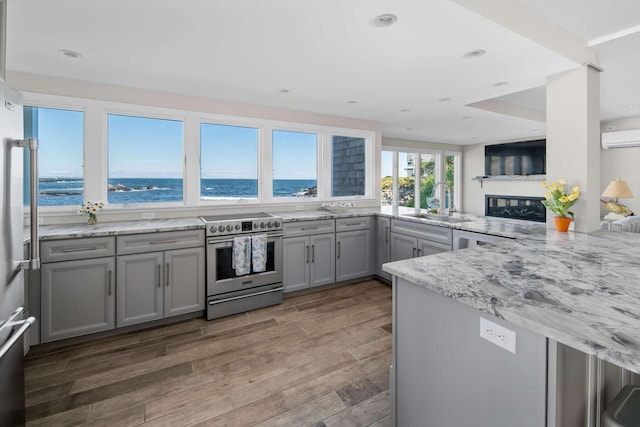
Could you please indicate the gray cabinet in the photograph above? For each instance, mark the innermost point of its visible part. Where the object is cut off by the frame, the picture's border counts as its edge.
(581, 386)
(353, 248)
(156, 284)
(383, 245)
(410, 239)
(308, 254)
(77, 287)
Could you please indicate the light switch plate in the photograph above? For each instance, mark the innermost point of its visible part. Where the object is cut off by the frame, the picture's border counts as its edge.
(498, 335)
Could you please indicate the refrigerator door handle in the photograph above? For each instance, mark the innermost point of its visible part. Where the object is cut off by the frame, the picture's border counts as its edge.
(11, 323)
(33, 263)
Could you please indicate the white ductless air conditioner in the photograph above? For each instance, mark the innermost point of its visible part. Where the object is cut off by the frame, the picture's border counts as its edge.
(621, 139)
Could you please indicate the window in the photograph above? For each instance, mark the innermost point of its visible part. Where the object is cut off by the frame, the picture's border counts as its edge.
(427, 180)
(406, 179)
(228, 162)
(145, 159)
(60, 153)
(386, 182)
(295, 168)
(348, 166)
(452, 172)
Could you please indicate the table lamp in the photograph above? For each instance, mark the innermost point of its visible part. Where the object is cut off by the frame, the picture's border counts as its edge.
(618, 189)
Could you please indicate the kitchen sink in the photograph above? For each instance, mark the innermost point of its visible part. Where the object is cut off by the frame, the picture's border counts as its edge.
(441, 218)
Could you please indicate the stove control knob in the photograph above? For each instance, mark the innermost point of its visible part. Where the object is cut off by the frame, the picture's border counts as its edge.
(269, 224)
(229, 228)
(237, 227)
(213, 228)
(256, 225)
(276, 224)
(262, 225)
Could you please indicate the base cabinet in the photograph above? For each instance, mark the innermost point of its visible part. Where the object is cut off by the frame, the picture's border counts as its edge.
(353, 248)
(156, 285)
(78, 298)
(308, 261)
(410, 239)
(383, 246)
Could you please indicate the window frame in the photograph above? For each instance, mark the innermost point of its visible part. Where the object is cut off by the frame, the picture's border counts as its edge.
(95, 157)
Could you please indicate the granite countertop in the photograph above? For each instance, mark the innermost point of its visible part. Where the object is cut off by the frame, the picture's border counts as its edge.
(68, 231)
(579, 289)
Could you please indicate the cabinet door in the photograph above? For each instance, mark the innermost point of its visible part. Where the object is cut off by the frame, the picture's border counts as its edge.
(140, 288)
(354, 254)
(383, 241)
(184, 281)
(323, 259)
(428, 247)
(403, 247)
(296, 259)
(78, 298)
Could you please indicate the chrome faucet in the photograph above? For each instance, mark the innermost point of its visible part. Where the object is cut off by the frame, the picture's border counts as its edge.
(447, 187)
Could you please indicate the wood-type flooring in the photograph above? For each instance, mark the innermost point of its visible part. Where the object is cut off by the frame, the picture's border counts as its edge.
(318, 359)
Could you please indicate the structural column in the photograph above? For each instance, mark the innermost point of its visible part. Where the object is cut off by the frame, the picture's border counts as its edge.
(573, 140)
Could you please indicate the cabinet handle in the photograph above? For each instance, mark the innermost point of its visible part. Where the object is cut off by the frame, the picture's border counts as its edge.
(386, 235)
(160, 242)
(414, 252)
(338, 249)
(306, 258)
(313, 253)
(309, 228)
(419, 250)
(159, 275)
(167, 274)
(109, 279)
(81, 249)
(352, 224)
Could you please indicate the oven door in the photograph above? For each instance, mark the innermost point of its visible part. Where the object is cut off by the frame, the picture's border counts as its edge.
(221, 277)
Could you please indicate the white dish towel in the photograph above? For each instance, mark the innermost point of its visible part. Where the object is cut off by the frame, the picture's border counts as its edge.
(259, 252)
(241, 260)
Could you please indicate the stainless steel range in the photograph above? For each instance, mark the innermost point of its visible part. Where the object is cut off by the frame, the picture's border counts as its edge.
(244, 263)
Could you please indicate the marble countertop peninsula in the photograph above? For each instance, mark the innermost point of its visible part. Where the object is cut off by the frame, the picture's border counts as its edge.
(68, 231)
(582, 290)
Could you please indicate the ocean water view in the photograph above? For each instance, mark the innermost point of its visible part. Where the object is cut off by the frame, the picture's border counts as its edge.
(68, 191)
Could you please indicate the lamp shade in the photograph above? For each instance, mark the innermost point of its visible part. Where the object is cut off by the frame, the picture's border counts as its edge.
(618, 189)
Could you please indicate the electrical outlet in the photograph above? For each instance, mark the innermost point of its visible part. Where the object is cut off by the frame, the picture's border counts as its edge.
(148, 215)
(498, 335)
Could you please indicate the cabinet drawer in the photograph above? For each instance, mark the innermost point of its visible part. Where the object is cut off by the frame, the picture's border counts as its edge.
(151, 242)
(422, 231)
(306, 228)
(71, 249)
(350, 224)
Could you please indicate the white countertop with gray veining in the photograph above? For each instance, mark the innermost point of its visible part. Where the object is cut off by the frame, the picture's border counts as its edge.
(67, 231)
(582, 290)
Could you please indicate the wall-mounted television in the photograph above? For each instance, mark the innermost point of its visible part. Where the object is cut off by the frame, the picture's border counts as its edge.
(516, 158)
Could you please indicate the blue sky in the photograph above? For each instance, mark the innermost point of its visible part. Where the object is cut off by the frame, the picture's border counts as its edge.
(152, 148)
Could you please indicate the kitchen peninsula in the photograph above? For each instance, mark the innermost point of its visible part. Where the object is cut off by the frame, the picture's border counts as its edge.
(555, 290)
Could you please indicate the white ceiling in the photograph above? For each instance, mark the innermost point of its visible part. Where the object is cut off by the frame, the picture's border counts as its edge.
(326, 54)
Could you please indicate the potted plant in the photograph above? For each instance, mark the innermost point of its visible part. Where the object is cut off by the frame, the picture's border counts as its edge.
(91, 209)
(558, 201)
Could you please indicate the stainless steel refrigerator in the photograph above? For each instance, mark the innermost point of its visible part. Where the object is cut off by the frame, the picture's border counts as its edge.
(13, 325)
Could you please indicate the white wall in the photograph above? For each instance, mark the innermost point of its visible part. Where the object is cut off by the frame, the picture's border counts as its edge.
(623, 163)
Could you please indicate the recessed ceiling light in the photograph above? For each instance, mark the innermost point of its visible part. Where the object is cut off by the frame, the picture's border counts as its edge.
(284, 91)
(535, 130)
(498, 84)
(466, 117)
(474, 137)
(444, 99)
(352, 102)
(409, 129)
(70, 53)
(385, 20)
(405, 110)
(630, 105)
(474, 54)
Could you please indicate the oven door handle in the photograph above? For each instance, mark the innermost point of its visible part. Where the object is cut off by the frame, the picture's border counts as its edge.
(216, 241)
(246, 296)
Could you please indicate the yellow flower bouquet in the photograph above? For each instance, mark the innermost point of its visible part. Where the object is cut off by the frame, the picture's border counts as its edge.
(557, 200)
